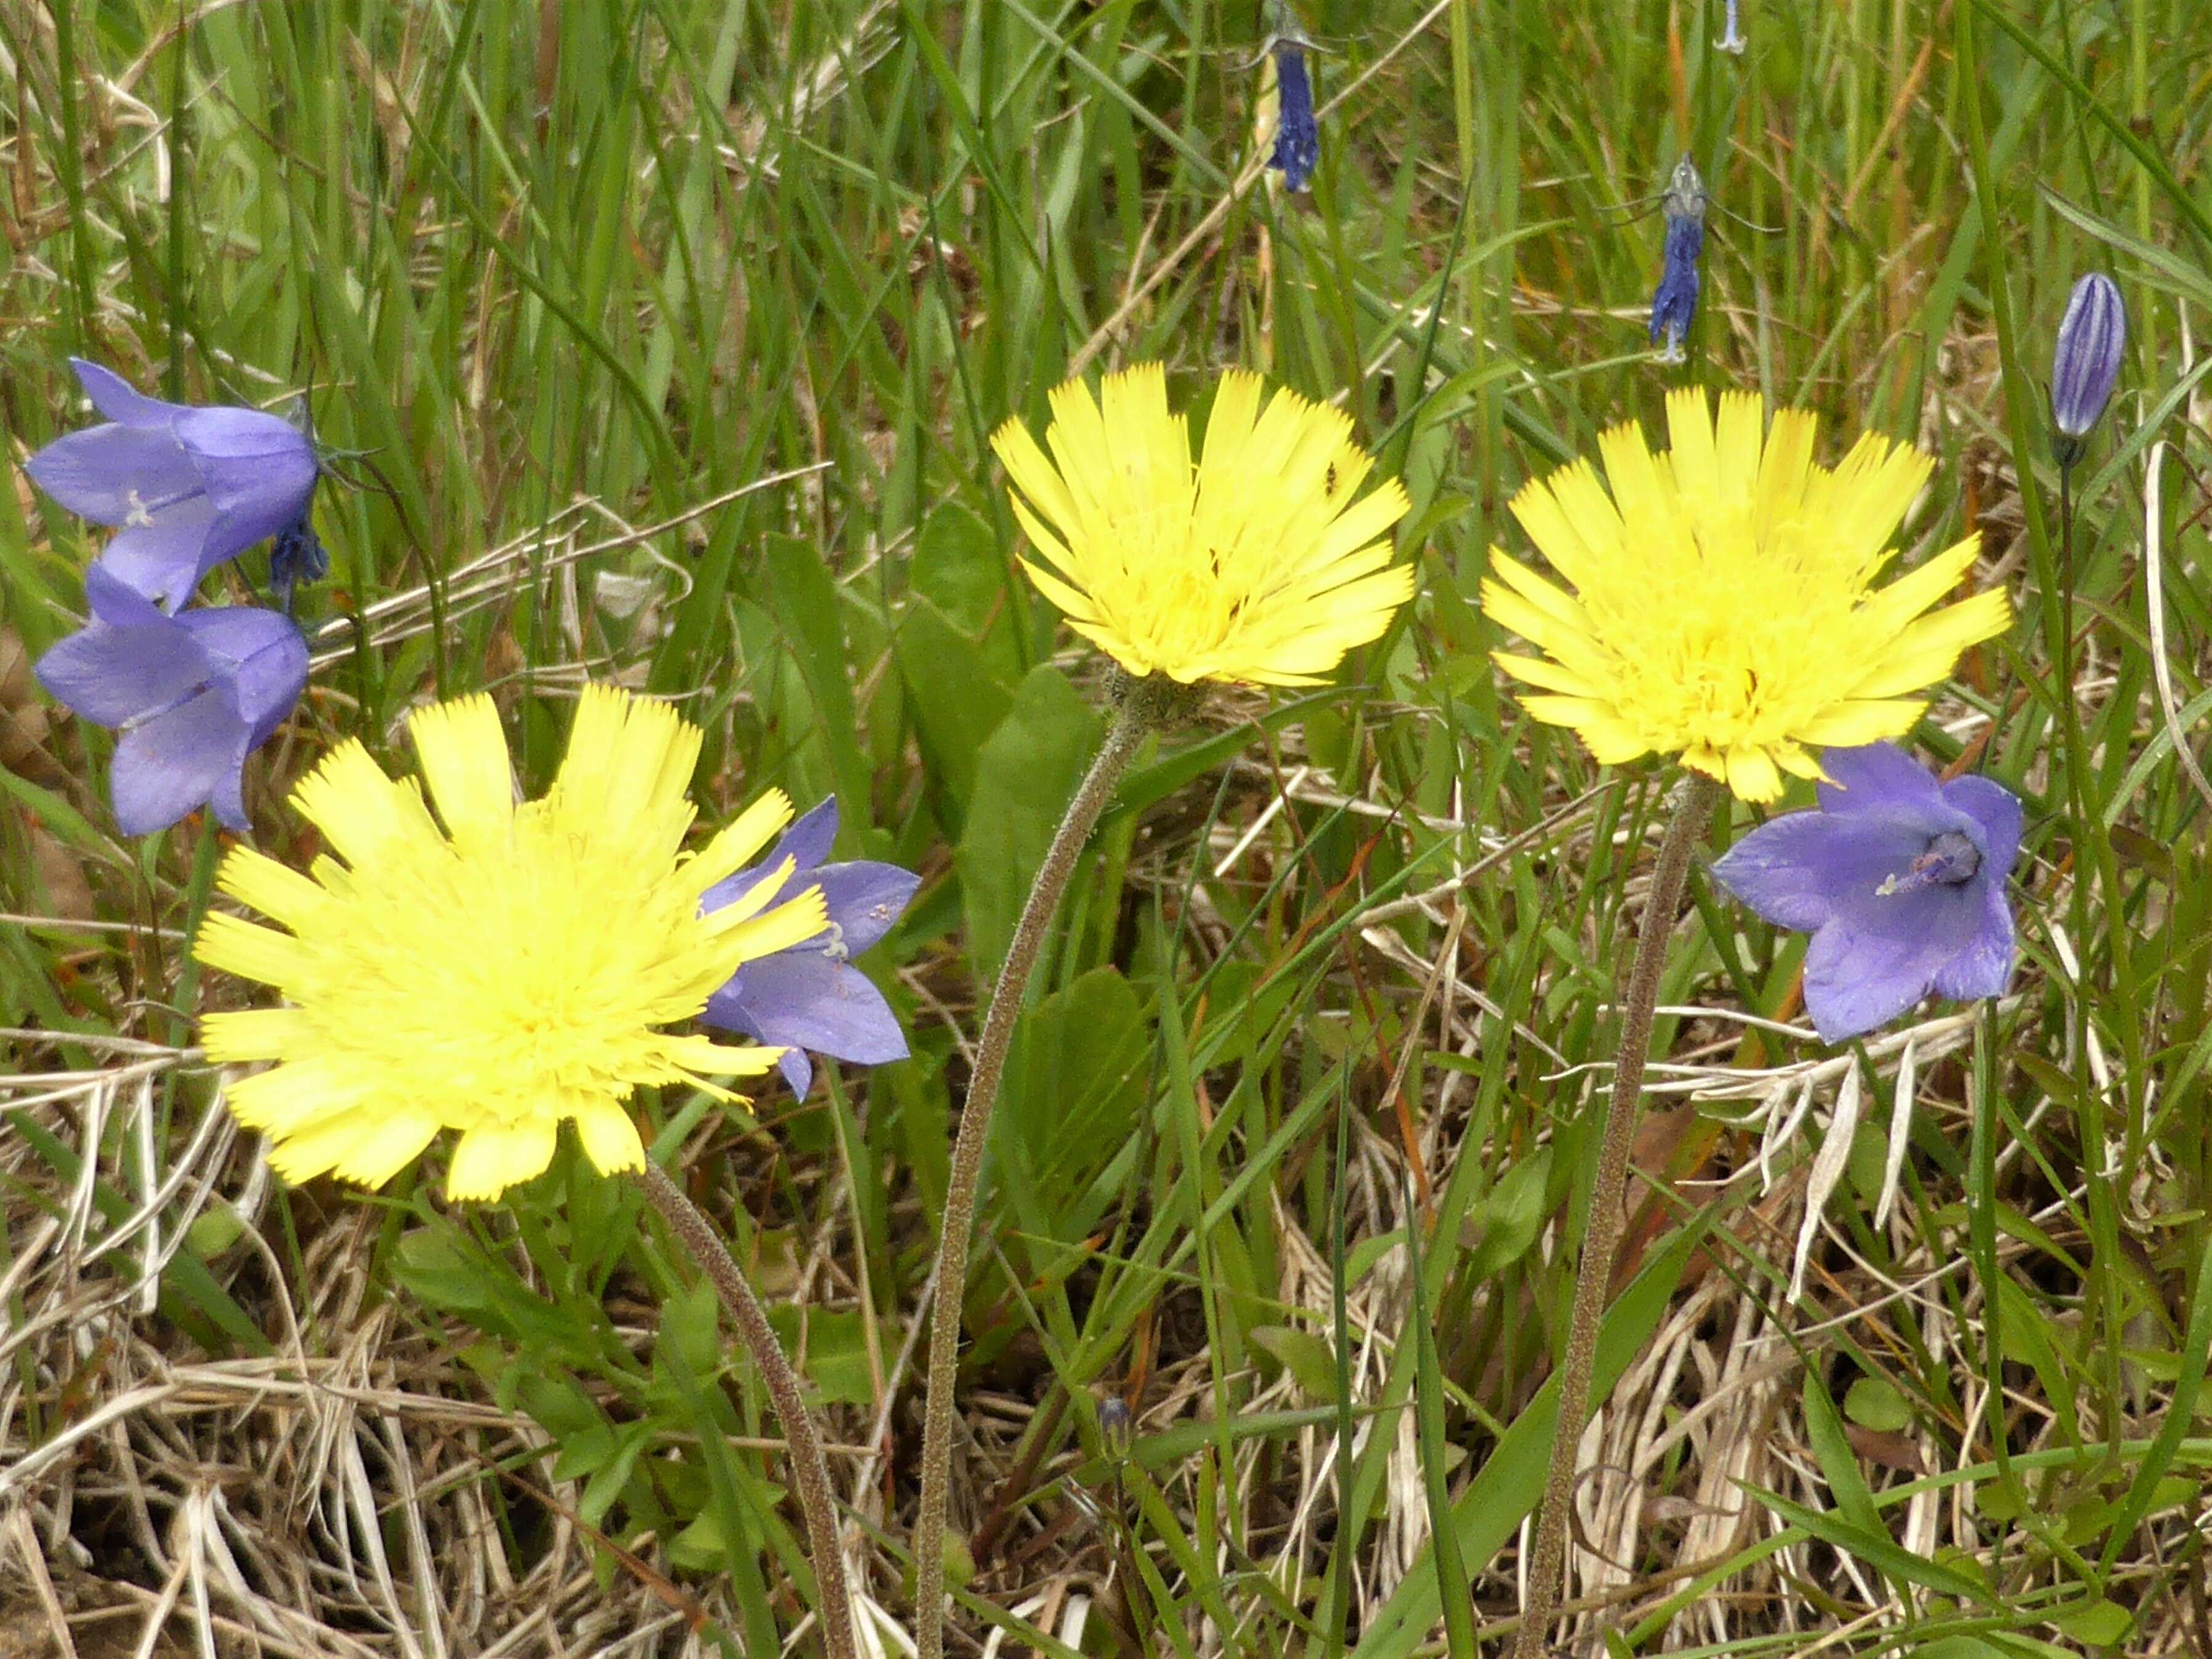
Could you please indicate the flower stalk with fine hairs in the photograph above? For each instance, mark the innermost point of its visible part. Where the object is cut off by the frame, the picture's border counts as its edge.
(1260, 564)
(1660, 646)
(810, 1469)
(1593, 1272)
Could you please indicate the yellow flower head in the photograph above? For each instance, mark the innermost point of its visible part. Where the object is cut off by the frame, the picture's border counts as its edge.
(1723, 603)
(502, 974)
(1255, 566)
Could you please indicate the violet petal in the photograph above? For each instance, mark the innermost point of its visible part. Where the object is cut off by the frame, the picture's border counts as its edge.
(1983, 968)
(165, 559)
(1871, 966)
(117, 399)
(260, 468)
(806, 1001)
(185, 758)
(114, 676)
(114, 474)
(864, 898)
(263, 658)
(1996, 813)
(1799, 869)
(1882, 778)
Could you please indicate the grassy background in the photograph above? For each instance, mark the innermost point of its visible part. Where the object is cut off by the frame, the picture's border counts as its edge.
(672, 332)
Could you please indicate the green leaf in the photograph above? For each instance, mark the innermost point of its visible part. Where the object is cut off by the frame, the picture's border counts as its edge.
(2098, 1624)
(805, 608)
(1307, 1358)
(1075, 1083)
(1506, 1220)
(1025, 773)
(1873, 1403)
(958, 700)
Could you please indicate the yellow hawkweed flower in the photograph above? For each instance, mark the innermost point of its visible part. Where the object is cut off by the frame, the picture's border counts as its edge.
(1255, 566)
(1723, 606)
(502, 975)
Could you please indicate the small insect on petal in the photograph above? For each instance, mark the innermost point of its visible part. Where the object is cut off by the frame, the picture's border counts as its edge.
(2091, 337)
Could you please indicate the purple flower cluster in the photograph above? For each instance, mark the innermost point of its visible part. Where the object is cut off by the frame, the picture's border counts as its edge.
(192, 694)
(810, 996)
(1900, 880)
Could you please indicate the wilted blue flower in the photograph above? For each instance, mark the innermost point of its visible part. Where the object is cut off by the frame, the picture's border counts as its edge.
(1675, 302)
(1297, 135)
(810, 996)
(2091, 338)
(1732, 41)
(189, 488)
(1900, 878)
(193, 695)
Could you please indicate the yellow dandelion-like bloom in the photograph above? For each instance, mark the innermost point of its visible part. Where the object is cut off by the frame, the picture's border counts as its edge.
(1723, 606)
(1255, 566)
(501, 975)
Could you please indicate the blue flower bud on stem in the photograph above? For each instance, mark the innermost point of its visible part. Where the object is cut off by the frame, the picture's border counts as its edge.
(1675, 302)
(2091, 337)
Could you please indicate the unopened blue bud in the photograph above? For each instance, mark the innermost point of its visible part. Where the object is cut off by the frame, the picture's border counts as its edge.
(297, 556)
(2091, 337)
(1675, 302)
(1297, 135)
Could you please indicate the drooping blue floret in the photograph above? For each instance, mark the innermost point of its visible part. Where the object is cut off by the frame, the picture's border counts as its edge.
(1732, 40)
(2092, 338)
(193, 695)
(1900, 878)
(1297, 135)
(297, 555)
(810, 996)
(188, 487)
(1674, 303)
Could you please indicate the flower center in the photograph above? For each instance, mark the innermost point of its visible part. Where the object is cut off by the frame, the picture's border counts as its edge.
(1949, 861)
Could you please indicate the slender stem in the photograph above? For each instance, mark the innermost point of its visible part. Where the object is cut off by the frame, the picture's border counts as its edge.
(810, 1469)
(1128, 730)
(1593, 1273)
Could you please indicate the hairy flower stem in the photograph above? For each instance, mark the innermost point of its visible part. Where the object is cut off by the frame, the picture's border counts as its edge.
(1593, 1272)
(1137, 715)
(810, 1469)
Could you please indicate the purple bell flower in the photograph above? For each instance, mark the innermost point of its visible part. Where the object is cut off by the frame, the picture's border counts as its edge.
(1675, 302)
(1900, 878)
(810, 996)
(188, 487)
(2091, 337)
(193, 695)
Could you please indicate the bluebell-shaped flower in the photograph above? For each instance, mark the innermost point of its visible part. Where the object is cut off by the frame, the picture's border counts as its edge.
(1732, 41)
(810, 996)
(2091, 337)
(193, 695)
(1675, 302)
(1297, 135)
(188, 487)
(1900, 879)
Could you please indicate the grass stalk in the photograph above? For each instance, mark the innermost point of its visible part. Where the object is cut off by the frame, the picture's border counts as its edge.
(1593, 1272)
